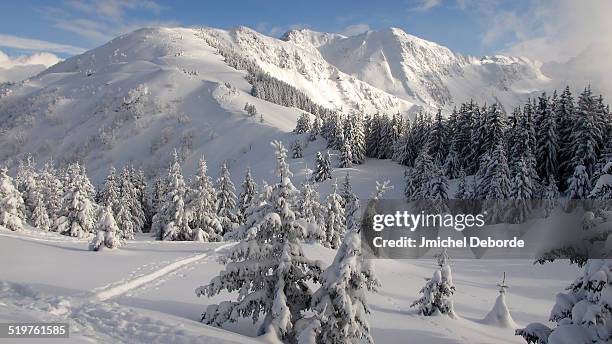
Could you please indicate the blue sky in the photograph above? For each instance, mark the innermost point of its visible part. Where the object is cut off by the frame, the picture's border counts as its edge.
(64, 27)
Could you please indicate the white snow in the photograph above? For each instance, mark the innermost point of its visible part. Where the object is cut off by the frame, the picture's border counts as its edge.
(143, 292)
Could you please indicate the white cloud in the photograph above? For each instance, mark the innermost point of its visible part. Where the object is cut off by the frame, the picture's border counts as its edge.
(355, 29)
(17, 42)
(22, 67)
(576, 32)
(426, 5)
(98, 21)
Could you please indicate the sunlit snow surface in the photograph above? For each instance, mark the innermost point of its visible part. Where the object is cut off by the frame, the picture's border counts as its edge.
(148, 290)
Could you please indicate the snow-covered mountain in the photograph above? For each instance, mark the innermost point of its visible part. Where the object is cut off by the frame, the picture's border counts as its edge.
(146, 93)
(424, 72)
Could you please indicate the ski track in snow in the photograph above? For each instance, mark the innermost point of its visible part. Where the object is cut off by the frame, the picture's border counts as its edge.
(121, 288)
(95, 317)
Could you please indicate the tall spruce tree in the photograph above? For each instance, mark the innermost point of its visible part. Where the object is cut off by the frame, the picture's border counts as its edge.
(202, 206)
(272, 279)
(247, 195)
(547, 145)
(171, 222)
(226, 199)
(11, 203)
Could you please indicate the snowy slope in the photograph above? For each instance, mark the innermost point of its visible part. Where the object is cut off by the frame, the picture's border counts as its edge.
(148, 288)
(136, 99)
(424, 72)
(305, 68)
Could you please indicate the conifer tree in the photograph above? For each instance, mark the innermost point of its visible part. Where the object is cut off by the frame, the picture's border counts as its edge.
(438, 290)
(500, 315)
(547, 145)
(106, 231)
(340, 303)
(40, 217)
(550, 196)
(312, 212)
(452, 166)
(564, 112)
(436, 191)
(202, 206)
(323, 168)
(247, 195)
(315, 130)
(350, 202)
(335, 221)
(578, 184)
(226, 199)
(521, 194)
(585, 134)
(78, 210)
(142, 202)
(273, 278)
(296, 149)
(437, 139)
(172, 221)
(358, 143)
(303, 124)
(11, 203)
(129, 214)
(53, 192)
(462, 187)
(110, 193)
(346, 156)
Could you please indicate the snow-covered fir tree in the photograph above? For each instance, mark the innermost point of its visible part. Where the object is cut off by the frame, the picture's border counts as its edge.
(438, 290)
(312, 213)
(603, 185)
(157, 195)
(106, 231)
(418, 178)
(340, 303)
(550, 196)
(201, 206)
(226, 199)
(323, 168)
(296, 150)
(521, 194)
(127, 208)
(110, 193)
(273, 278)
(11, 203)
(248, 193)
(78, 211)
(335, 221)
(172, 220)
(564, 113)
(462, 188)
(250, 109)
(437, 139)
(452, 167)
(499, 315)
(143, 212)
(346, 156)
(358, 143)
(547, 145)
(579, 185)
(582, 314)
(351, 204)
(40, 215)
(53, 192)
(303, 124)
(315, 129)
(585, 134)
